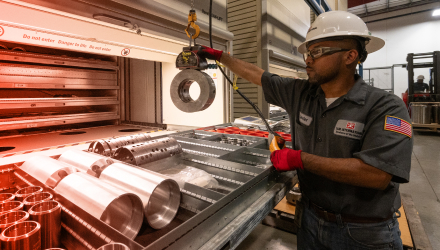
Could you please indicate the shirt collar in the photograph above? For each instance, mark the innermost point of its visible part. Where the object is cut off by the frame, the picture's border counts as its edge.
(357, 93)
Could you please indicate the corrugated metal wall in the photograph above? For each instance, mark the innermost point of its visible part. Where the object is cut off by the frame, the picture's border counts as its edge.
(244, 22)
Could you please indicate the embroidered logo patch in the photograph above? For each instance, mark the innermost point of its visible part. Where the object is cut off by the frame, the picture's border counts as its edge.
(398, 125)
(350, 125)
(305, 119)
(350, 129)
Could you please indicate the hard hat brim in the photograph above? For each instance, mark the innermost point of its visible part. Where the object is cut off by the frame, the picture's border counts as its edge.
(374, 44)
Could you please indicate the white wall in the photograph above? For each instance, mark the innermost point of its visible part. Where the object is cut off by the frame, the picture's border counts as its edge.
(416, 33)
(172, 115)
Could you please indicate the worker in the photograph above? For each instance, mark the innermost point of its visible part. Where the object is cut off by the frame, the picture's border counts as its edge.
(420, 86)
(352, 143)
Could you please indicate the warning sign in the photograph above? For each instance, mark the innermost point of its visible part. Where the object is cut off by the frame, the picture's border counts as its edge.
(2, 31)
(125, 52)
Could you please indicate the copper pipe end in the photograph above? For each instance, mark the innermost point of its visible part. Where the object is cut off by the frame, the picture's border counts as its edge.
(23, 235)
(10, 206)
(35, 199)
(48, 214)
(5, 197)
(21, 194)
(11, 218)
(114, 246)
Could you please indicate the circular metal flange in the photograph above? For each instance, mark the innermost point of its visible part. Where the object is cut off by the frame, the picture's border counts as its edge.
(180, 90)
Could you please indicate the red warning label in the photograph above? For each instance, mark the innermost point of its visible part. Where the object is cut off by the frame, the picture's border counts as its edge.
(125, 52)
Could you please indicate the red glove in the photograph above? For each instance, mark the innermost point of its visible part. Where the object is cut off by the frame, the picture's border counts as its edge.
(286, 159)
(212, 54)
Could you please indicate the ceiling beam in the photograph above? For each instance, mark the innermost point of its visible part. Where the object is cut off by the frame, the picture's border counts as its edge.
(395, 8)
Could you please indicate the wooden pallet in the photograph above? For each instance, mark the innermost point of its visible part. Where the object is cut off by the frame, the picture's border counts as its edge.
(426, 127)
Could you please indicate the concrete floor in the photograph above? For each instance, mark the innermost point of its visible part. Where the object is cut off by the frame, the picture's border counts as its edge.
(424, 187)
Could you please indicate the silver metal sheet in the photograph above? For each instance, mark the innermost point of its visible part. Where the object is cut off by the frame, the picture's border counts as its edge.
(43, 121)
(13, 103)
(32, 70)
(15, 56)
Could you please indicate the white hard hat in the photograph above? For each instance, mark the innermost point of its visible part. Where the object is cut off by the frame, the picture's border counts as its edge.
(420, 77)
(337, 24)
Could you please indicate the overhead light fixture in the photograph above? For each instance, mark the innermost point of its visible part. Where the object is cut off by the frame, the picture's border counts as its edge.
(436, 12)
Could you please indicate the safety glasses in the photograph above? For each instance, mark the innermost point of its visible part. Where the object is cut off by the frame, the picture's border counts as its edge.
(318, 52)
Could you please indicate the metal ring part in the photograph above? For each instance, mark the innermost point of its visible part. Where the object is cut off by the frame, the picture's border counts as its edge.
(10, 206)
(47, 170)
(149, 151)
(5, 197)
(87, 162)
(23, 235)
(160, 195)
(180, 90)
(48, 214)
(35, 199)
(21, 194)
(114, 246)
(11, 218)
(108, 147)
(115, 207)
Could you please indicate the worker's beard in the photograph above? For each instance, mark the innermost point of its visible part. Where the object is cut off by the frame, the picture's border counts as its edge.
(318, 79)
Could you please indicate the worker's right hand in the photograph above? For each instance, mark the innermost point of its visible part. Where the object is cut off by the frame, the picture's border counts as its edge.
(212, 54)
(287, 159)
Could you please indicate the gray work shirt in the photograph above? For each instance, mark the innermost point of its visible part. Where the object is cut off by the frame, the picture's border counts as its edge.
(367, 123)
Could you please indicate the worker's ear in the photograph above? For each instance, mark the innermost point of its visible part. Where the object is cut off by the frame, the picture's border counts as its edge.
(351, 57)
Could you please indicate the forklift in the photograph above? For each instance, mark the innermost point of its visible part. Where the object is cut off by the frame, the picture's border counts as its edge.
(424, 107)
(434, 82)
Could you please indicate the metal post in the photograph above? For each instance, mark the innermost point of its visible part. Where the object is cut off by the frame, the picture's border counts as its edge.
(361, 70)
(436, 80)
(392, 79)
(410, 68)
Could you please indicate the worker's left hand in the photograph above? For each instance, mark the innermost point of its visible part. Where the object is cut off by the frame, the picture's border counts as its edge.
(286, 159)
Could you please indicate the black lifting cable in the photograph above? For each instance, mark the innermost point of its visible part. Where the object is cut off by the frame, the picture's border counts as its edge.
(255, 107)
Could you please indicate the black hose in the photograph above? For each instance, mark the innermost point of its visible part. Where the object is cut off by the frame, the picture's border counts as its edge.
(210, 23)
(255, 107)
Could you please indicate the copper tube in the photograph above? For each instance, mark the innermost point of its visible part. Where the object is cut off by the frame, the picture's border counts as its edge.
(48, 214)
(5, 197)
(10, 206)
(35, 199)
(114, 246)
(22, 236)
(21, 194)
(11, 218)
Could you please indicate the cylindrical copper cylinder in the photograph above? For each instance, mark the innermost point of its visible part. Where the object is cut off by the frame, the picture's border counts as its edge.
(35, 199)
(11, 218)
(114, 246)
(54, 248)
(5, 197)
(22, 236)
(48, 214)
(10, 206)
(21, 194)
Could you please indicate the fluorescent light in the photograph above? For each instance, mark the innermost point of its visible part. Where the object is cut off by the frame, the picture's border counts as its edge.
(436, 12)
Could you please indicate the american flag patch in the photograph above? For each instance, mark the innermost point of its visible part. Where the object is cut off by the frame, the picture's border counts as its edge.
(398, 125)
